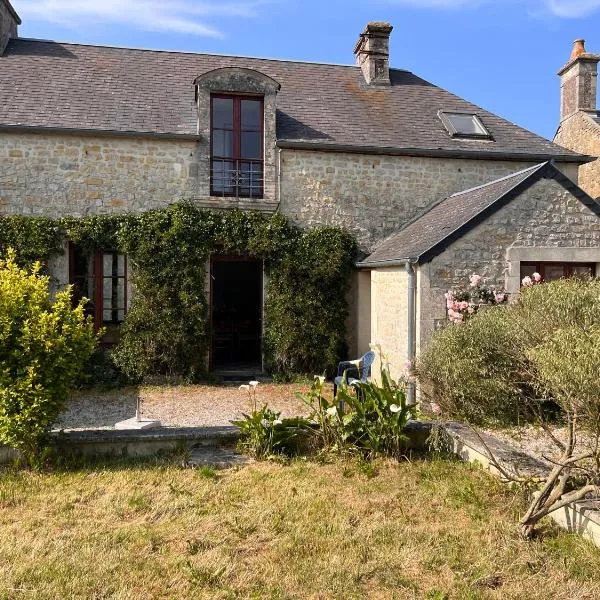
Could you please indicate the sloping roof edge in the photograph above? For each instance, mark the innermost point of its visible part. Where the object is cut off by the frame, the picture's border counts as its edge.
(545, 170)
(434, 152)
(12, 11)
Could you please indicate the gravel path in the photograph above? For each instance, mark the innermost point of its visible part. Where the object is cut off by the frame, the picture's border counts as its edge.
(536, 442)
(177, 406)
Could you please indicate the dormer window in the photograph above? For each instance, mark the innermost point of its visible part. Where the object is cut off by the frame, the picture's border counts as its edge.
(464, 125)
(237, 146)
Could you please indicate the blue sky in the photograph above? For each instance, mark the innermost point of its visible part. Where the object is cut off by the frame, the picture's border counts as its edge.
(500, 54)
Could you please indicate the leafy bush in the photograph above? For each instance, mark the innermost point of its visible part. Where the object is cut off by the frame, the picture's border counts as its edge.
(515, 360)
(567, 363)
(44, 346)
(263, 433)
(474, 371)
(366, 417)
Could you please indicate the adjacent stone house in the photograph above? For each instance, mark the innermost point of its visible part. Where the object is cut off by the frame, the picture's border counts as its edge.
(92, 129)
(579, 128)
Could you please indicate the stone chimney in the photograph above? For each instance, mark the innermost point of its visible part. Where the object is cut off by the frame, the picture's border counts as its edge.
(372, 53)
(578, 81)
(9, 21)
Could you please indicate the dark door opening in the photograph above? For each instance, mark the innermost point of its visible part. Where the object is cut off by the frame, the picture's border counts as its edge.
(237, 290)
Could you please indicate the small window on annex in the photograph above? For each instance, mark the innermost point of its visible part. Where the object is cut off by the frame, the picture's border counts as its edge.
(464, 125)
(101, 277)
(236, 146)
(551, 271)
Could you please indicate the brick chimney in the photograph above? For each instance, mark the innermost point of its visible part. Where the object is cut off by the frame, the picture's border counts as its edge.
(9, 21)
(372, 53)
(578, 81)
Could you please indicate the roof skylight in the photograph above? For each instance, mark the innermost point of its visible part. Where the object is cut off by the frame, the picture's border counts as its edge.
(464, 125)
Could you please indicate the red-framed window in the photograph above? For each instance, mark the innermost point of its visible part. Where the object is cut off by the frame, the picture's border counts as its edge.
(101, 277)
(550, 271)
(237, 146)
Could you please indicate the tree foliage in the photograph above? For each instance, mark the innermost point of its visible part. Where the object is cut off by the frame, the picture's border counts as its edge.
(44, 345)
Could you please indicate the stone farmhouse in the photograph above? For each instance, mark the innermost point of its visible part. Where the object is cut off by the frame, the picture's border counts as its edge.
(434, 187)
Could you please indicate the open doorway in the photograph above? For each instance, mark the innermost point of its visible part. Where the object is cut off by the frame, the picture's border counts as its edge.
(236, 314)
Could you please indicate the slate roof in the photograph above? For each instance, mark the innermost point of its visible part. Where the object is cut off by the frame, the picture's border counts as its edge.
(45, 84)
(428, 235)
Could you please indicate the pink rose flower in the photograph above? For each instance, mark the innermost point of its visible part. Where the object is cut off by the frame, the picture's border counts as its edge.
(537, 277)
(449, 295)
(500, 297)
(475, 280)
(463, 305)
(527, 281)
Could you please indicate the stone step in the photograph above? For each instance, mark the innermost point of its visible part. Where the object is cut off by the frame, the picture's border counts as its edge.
(219, 457)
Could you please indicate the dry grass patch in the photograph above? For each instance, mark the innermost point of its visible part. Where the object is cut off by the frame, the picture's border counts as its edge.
(435, 529)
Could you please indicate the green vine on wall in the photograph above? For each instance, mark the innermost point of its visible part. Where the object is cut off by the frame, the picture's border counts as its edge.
(166, 331)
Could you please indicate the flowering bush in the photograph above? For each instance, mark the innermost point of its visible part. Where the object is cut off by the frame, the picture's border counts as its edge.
(366, 417)
(463, 303)
(263, 433)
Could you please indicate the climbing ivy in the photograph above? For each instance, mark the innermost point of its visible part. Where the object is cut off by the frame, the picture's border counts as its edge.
(167, 329)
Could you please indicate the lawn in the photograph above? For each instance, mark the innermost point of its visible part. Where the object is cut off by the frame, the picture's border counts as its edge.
(422, 529)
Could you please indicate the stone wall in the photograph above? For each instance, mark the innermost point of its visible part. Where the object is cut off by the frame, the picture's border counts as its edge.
(546, 222)
(389, 316)
(580, 134)
(374, 195)
(57, 175)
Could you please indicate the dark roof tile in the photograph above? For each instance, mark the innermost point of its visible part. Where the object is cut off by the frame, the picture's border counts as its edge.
(56, 85)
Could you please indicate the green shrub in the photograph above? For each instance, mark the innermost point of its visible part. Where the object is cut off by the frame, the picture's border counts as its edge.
(366, 418)
(44, 346)
(474, 371)
(487, 371)
(567, 363)
(263, 433)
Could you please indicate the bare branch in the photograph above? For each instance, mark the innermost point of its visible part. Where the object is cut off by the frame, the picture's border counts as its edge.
(571, 497)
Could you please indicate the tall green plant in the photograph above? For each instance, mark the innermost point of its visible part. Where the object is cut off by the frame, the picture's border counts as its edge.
(368, 418)
(44, 345)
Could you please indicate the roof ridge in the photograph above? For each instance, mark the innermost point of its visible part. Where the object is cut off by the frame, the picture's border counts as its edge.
(118, 47)
(509, 176)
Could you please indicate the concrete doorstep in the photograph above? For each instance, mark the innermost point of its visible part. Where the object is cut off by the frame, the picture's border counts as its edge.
(581, 517)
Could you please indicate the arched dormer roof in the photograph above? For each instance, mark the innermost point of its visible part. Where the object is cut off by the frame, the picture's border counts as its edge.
(237, 79)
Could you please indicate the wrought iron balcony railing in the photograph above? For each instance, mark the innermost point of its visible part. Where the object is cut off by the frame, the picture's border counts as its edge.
(238, 178)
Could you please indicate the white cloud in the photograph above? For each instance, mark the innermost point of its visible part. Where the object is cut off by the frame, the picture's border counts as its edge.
(571, 9)
(181, 16)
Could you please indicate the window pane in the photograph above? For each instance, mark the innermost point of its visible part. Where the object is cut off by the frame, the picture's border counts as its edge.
(107, 267)
(466, 124)
(121, 265)
(251, 144)
(251, 179)
(222, 117)
(553, 272)
(222, 143)
(222, 176)
(583, 270)
(251, 114)
(527, 270)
